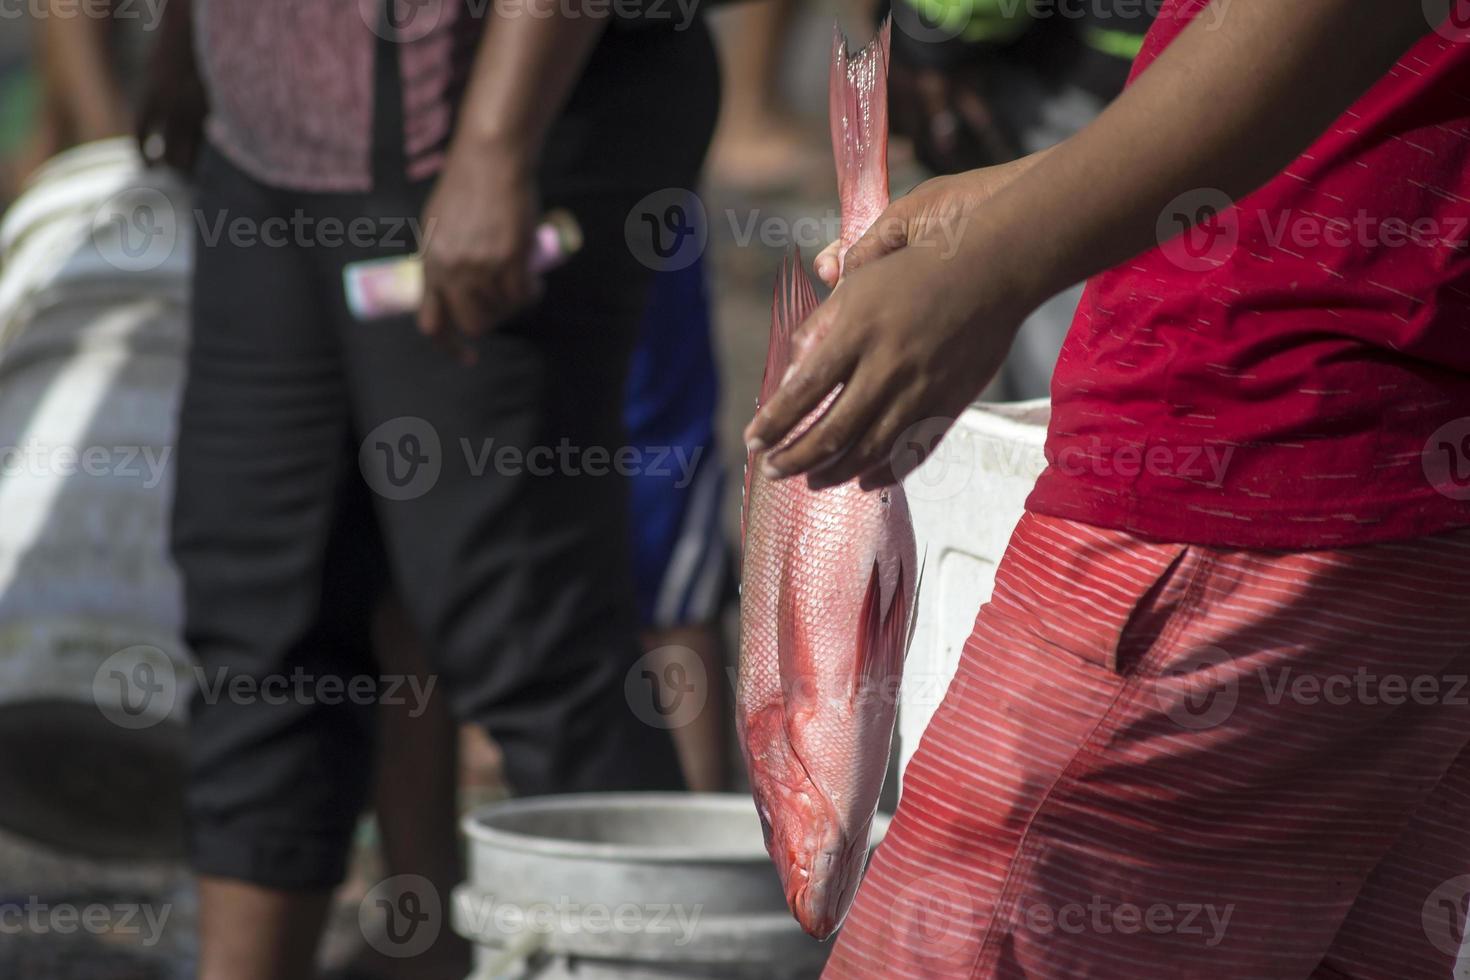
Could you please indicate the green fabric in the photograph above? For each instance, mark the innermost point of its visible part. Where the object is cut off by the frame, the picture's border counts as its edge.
(1119, 44)
(977, 20)
(20, 99)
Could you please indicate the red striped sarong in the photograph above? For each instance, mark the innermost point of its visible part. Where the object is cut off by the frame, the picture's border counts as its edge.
(1167, 761)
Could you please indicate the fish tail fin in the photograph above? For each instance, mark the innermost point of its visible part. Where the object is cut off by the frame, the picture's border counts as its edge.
(883, 633)
(858, 106)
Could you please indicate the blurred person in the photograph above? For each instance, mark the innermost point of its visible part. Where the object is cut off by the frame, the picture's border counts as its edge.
(760, 145)
(681, 560)
(976, 85)
(1180, 741)
(89, 63)
(426, 775)
(294, 411)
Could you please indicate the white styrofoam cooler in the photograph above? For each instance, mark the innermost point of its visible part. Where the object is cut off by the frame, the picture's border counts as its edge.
(966, 500)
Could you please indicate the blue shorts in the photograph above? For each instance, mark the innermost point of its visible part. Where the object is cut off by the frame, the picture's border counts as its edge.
(681, 560)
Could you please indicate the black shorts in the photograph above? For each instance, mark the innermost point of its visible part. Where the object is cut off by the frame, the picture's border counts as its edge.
(323, 460)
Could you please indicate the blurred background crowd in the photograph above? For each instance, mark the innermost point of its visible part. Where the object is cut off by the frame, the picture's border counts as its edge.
(88, 810)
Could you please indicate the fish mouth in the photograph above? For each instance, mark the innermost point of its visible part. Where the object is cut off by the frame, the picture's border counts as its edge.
(821, 888)
(819, 857)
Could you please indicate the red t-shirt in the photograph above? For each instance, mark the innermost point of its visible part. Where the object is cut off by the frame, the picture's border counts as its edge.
(1294, 373)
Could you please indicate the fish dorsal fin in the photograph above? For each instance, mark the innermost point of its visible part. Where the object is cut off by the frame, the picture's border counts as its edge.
(795, 299)
(858, 109)
(883, 633)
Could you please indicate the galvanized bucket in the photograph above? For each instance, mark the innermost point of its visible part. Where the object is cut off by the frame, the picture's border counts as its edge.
(638, 886)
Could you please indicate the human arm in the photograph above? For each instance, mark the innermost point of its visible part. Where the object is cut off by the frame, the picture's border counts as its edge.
(481, 217)
(913, 333)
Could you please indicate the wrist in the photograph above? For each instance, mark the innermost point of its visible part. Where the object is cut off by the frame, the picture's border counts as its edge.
(1000, 269)
(501, 150)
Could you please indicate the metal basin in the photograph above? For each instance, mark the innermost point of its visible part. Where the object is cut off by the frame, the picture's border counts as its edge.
(629, 886)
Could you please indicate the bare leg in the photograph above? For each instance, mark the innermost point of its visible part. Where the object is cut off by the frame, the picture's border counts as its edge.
(701, 744)
(759, 145)
(416, 798)
(247, 932)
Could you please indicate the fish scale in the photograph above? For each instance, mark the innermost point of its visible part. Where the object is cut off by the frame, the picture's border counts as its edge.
(828, 586)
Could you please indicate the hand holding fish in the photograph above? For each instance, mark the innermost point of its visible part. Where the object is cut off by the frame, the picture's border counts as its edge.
(935, 214)
(925, 314)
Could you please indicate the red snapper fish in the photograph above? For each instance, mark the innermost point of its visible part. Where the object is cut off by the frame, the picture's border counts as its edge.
(829, 583)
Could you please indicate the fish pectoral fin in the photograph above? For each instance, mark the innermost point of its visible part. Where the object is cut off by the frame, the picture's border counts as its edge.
(882, 638)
